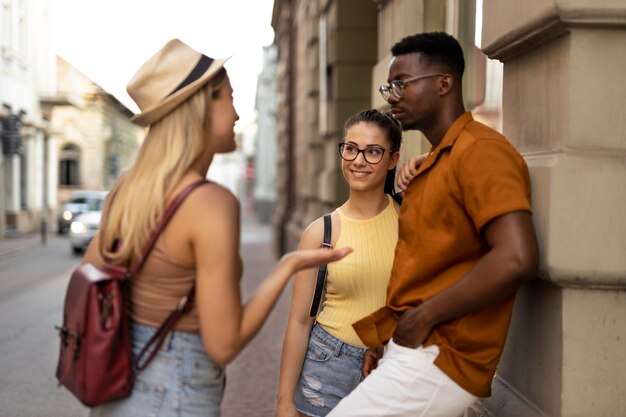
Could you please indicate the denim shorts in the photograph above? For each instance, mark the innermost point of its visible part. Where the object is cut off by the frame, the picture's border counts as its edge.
(331, 370)
(180, 381)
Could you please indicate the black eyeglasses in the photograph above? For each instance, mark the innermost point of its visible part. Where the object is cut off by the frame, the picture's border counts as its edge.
(372, 154)
(396, 87)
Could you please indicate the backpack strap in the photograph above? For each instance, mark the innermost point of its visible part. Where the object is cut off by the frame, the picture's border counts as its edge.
(320, 282)
(158, 337)
(154, 344)
(167, 216)
(398, 197)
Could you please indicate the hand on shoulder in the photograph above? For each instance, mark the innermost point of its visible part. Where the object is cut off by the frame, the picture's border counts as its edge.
(407, 171)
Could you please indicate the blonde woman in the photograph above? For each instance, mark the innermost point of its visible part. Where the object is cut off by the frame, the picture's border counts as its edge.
(185, 99)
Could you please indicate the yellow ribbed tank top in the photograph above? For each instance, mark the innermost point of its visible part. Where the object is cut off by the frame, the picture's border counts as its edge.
(357, 285)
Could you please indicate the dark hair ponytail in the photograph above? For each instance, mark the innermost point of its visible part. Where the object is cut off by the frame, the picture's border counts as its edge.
(393, 130)
(390, 187)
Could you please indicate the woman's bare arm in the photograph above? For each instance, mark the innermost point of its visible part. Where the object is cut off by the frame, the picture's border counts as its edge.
(226, 325)
(298, 326)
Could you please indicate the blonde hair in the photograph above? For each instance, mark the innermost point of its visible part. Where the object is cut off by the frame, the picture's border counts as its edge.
(137, 199)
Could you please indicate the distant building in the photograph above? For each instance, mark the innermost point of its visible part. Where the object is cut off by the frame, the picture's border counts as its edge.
(91, 131)
(227, 169)
(549, 75)
(265, 155)
(27, 160)
(60, 131)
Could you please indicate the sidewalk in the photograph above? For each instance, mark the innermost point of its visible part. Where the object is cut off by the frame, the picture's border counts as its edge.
(14, 245)
(252, 378)
(252, 233)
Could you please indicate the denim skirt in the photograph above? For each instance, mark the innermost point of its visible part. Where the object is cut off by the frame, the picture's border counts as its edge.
(331, 370)
(180, 381)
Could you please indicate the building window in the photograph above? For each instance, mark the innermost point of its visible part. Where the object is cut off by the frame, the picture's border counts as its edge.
(6, 38)
(23, 31)
(69, 166)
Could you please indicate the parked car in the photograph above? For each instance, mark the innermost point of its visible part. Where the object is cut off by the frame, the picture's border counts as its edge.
(79, 202)
(83, 229)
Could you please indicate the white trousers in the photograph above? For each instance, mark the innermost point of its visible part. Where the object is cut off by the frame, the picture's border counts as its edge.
(406, 383)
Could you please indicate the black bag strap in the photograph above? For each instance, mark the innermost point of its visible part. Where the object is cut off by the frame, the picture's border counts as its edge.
(320, 282)
(397, 197)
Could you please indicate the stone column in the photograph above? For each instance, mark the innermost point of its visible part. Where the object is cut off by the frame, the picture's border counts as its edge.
(563, 106)
(52, 175)
(305, 112)
(282, 22)
(34, 144)
(319, 85)
(348, 35)
(12, 176)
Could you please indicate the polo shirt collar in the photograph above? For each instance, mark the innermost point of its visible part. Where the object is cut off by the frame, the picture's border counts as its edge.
(448, 140)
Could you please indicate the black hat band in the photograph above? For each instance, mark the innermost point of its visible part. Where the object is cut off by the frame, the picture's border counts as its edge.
(201, 67)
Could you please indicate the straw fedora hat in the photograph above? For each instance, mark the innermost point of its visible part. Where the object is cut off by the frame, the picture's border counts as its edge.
(168, 78)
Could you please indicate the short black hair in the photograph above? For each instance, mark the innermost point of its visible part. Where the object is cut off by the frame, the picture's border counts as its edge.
(437, 47)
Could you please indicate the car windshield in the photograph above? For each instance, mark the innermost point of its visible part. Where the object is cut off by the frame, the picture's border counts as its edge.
(78, 200)
(95, 204)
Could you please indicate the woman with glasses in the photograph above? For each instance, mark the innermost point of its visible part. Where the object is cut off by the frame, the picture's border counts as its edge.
(323, 357)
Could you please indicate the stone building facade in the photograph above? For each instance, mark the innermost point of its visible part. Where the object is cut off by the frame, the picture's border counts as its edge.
(563, 109)
(265, 143)
(326, 53)
(548, 74)
(90, 130)
(27, 160)
(60, 131)
(27, 196)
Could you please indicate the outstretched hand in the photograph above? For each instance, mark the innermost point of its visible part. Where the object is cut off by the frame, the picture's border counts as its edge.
(308, 258)
(406, 171)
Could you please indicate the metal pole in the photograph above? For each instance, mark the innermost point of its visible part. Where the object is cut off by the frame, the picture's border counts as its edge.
(44, 230)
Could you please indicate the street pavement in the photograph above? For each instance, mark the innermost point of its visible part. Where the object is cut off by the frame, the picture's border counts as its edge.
(252, 377)
(16, 245)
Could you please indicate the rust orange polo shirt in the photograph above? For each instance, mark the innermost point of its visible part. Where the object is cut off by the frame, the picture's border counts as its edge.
(472, 177)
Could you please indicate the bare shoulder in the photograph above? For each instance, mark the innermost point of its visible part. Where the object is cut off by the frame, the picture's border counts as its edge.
(213, 195)
(313, 235)
(210, 207)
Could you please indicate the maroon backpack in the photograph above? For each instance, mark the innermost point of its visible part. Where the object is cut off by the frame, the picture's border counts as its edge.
(95, 360)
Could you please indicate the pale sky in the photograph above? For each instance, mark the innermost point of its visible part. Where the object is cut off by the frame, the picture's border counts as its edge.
(108, 40)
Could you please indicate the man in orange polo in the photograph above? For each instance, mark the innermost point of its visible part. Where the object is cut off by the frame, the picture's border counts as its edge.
(466, 243)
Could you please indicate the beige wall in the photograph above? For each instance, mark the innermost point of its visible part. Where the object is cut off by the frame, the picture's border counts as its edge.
(564, 110)
(397, 19)
(323, 79)
(562, 91)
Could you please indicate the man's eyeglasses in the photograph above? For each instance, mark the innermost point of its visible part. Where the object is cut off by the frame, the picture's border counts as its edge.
(372, 154)
(396, 87)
